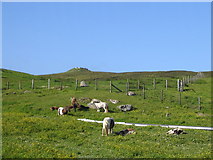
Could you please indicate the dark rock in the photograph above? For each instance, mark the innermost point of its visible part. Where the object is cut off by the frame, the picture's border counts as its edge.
(125, 108)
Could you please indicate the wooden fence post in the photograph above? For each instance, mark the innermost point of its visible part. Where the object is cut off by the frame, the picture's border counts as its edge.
(127, 87)
(138, 84)
(144, 96)
(48, 84)
(178, 85)
(180, 98)
(128, 84)
(61, 87)
(154, 83)
(166, 84)
(19, 85)
(76, 84)
(199, 103)
(183, 81)
(188, 80)
(110, 86)
(32, 83)
(95, 84)
(8, 85)
(181, 85)
(161, 97)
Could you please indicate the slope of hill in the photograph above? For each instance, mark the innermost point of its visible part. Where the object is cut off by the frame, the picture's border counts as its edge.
(85, 74)
(14, 75)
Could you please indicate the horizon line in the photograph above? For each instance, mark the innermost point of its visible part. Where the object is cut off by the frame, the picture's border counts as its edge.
(106, 1)
(175, 70)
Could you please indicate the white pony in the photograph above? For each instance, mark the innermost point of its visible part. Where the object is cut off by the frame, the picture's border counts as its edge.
(100, 105)
(108, 124)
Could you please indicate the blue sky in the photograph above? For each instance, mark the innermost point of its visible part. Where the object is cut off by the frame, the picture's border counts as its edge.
(53, 37)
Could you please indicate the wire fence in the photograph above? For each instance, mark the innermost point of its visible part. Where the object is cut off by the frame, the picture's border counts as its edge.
(161, 89)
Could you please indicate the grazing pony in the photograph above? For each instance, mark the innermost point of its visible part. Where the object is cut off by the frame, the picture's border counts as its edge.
(63, 110)
(126, 131)
(100, 105)
(74, 103)
(108, 124)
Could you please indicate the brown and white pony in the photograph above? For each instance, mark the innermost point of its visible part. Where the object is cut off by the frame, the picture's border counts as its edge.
(62, 110)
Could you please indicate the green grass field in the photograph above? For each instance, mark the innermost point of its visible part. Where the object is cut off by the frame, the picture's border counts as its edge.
(31, 130)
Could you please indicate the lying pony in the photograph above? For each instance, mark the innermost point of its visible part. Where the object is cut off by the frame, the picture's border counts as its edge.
(61, 110)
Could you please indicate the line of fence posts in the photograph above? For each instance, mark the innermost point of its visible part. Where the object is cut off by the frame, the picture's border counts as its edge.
(96, 88)
(179, 82)
(187, 80)
(180, 86)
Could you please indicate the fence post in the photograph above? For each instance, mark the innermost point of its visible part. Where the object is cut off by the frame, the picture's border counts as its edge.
(180, 98)
(199, 103)
(61, 87)
(154, 83)
(138, 84)
(48, 84)
(178, 85)
(181, 85)
(183, 81)
(188, 81)
(32, 83)
(19, 85)
(128, 84)
(161, 98)
(76, 84)
(95, 84)
(144, 97)
(127, 87)
(8, 85)
(110, 86)
(166, 84)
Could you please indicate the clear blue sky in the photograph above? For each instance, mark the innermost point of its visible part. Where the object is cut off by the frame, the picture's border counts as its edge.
(53, 37)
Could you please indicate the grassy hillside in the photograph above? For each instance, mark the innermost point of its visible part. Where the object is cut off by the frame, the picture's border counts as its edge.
(89, 75)
(85, 74)
(31, 130)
